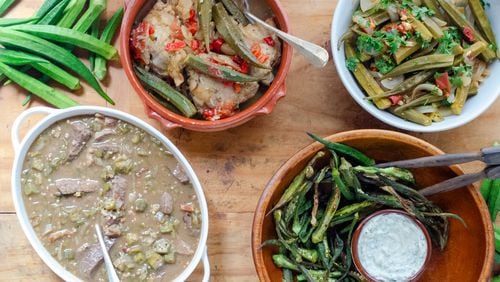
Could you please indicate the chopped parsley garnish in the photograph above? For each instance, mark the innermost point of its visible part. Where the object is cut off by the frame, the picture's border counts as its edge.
(462, 69)
(386, 3)
(456, 81)
(493, 47)
(370, 45)
(351, 63)
(384, 64)
(393, 40)
(418, 12)
(421, 41)
(485, 3)
(451, 38)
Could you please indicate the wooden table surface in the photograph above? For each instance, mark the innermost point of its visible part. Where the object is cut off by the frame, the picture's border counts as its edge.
(233, 165)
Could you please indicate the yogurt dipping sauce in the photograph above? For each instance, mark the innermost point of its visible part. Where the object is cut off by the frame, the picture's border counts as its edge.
(392, 247)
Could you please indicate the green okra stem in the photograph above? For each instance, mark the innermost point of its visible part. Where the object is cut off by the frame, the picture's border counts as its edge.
(232, 35)
(11, 57)
(366, 80)
(217, 71)
(414, 116)
(46, 7)
(297, 182)
(461, 95)
(58, 75)
(51, 51)
(460, 20)
(5, 5)
(394, 172)
(482, 20)
(8, 21)
(55, 14)
(46, 93)
(282, 261)
(434, 6)
(71, 14)
(235, 11)
(70, 36)
(106, 37)
(205, 14)
(344, 149)
(333, 203)
(94, 31)
(485, 188)
(96, 7)
(422, 63)
(153, 82)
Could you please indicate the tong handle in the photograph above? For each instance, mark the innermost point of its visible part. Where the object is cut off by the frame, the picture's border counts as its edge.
(440, 160)
(453, 183)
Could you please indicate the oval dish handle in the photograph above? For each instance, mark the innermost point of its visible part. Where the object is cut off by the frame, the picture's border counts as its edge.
(16, 127)
(168, 125)
(269, 107)
(206, 266)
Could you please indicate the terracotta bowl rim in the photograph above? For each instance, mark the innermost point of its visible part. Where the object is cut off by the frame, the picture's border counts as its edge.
(171, 120)
(357, 232)
(265, 198)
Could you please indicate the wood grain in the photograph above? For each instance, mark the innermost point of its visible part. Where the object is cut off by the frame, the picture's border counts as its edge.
(233, 165)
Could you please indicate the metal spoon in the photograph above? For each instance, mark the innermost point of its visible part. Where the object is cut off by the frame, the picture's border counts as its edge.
(110, 269)
(315, 54)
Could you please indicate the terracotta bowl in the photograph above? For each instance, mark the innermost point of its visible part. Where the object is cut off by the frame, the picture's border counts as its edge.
(264, 105)
(469, 253)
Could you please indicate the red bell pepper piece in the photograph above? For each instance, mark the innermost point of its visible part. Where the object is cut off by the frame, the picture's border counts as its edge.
(443, 83)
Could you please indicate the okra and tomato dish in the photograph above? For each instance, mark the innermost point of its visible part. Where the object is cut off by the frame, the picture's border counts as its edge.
(203, 59)
(324, 204)
(420, 60)
(95, 169)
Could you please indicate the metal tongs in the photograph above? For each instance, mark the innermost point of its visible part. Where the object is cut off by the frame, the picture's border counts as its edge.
(489, 156)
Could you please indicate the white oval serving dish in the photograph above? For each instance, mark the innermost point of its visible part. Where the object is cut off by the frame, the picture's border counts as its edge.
(53, 116)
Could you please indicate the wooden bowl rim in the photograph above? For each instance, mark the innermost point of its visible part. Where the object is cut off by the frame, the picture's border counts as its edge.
(264, 201)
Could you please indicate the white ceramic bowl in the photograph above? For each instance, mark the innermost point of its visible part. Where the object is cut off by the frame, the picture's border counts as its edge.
(21, 148)
(475, 106)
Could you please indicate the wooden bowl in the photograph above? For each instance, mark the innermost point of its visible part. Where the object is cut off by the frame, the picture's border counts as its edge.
(262, 106)
(469, 253)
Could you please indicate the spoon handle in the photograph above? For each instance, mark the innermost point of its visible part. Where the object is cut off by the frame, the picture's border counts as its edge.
(315, 54)
(112, 276)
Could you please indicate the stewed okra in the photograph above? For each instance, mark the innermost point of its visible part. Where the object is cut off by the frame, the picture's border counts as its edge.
(420, 60)
(204, 54)
(318, 212)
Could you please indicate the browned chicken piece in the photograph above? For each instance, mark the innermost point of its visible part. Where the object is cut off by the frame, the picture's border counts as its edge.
(164, 27)
(216, 99)
(270, 47)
